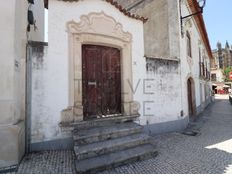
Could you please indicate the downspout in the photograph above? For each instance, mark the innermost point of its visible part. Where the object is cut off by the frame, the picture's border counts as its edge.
(181, 22)
(28, 90)
(28, 99)
(181, 36)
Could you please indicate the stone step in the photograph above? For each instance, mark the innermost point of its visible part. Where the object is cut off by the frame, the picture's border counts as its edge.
(103, 121)
(107, 161)
(109, 146)
(96, 134)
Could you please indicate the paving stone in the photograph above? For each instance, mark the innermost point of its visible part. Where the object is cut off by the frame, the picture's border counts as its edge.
(112, 145)
(91, 165)
(206, 153)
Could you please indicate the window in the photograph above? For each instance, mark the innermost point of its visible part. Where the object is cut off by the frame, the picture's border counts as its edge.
(213, 77)
(199, 54)
(189, 51)
(200, 65)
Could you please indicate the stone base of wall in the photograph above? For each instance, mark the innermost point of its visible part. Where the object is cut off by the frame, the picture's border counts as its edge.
(12, 143)
(59, 144)
(165, 127)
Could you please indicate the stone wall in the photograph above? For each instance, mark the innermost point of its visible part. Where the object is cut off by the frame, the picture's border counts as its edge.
(14, 39)
(12, 91)
(161, 31)
(163, 91)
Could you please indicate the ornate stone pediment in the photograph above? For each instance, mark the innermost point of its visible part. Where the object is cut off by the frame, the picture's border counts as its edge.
(101, 24)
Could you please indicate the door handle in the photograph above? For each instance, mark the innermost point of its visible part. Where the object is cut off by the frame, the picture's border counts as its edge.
(92, 83)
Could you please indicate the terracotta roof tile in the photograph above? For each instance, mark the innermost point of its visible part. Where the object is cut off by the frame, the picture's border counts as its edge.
(114, 3)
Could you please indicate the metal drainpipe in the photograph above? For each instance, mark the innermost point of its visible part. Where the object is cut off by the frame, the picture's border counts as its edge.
(28, 100)
(181, 36)
(28, 93)
(181, 21)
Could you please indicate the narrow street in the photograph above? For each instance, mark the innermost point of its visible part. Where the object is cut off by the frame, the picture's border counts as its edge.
(208, 152)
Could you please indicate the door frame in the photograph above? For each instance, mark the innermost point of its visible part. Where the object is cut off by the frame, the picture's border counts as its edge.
(99, 79)
(82, 33)
(191, 98)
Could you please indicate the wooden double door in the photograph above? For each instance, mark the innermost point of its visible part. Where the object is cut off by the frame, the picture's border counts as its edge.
(191, 99)
(101, 81)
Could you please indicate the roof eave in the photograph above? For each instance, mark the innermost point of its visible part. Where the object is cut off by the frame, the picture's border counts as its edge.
(116, 5)
(201, 26)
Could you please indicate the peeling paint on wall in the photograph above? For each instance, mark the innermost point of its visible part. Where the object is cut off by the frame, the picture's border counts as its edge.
(163, 103)
(39, 109)
(38, 57)
(162, 66)
(44, 120)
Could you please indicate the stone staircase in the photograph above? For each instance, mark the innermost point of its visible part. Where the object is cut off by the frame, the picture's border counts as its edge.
(109, 142)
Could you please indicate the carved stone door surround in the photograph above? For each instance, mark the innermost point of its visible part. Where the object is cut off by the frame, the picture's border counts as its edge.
(98, 29)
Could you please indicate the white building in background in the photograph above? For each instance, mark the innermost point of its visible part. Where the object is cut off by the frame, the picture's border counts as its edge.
(14, 39)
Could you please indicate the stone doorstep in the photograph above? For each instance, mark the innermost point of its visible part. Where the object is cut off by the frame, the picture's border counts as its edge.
(106, 129)
(115, 159)
(10, 169)
(105, 133)
(109, 146)
(109, 142)
(103, 121)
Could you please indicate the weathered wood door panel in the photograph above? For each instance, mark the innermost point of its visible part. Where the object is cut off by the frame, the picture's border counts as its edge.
(190, 98)
(101, 81)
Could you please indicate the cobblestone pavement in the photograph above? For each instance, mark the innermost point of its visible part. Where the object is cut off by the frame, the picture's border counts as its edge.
(210, 152)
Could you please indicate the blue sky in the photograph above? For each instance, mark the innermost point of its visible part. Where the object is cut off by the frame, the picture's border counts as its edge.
(218, 20)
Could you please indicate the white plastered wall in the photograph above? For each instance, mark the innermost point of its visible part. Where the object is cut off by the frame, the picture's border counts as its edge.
(55, 83)
(12, 106)
(190, 66)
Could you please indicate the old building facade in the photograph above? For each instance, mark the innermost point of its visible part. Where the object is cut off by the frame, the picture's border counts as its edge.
(158, 67)
(184, 42)
(112, 29)
(166, 83)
